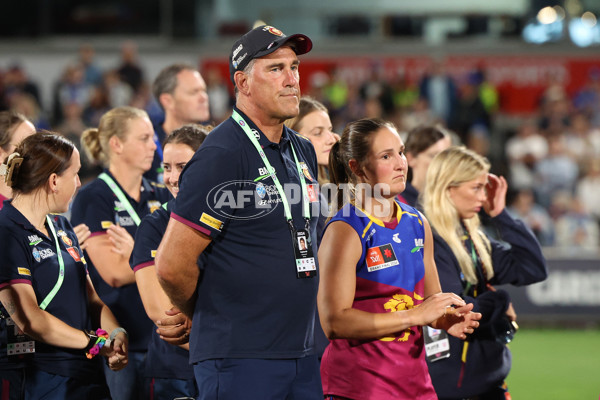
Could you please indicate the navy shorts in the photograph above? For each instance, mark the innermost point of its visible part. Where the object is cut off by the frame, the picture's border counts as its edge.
(260, 379)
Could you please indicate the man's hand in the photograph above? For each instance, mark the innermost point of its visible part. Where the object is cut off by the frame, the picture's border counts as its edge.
(174, 329)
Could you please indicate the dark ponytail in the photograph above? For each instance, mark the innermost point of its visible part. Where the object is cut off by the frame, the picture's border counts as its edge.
(338, 173)
(355, 144)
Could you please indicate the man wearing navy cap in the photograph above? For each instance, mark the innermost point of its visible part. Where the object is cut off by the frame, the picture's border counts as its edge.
(241, 212)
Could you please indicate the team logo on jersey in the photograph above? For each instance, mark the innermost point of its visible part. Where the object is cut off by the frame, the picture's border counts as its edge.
(305, 171)
(153, 205)
(399, 302)
(24, 271)
(74, 253)
(153, 253)
(381, 257)
(418, 245)
(34, 240)
(67, 240)
(396, 239)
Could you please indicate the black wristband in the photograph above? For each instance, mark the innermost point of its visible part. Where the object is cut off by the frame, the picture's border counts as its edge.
(92, 340)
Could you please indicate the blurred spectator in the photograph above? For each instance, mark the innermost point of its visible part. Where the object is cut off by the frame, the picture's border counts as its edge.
(119, 92)
(92, 73)
(588, 188)
(583, 143)
(130, 70)
(439, 89)
(587, 99)
(488, 94)
(72, 88)
(336, 93)
(555, 106)
(417, 115)
(219, 98)
(377, 94)
(25, 104)
(97, 106)
(575, 229)
(524, 207)
(72, 127)
(523, 151)
(471, 115)
(16, 81)
(556, 172)
(405, 93)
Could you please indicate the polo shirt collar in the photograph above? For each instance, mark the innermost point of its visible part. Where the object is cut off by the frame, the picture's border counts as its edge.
(146, 186)
(262, 139)
(15, 215)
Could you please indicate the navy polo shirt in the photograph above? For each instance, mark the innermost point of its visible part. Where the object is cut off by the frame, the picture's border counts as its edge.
(29, 256)
(163, 360)
(250, 303)
(97, 206)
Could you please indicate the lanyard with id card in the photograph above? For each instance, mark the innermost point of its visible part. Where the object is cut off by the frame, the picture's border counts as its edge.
(20, 345)
(306, 266)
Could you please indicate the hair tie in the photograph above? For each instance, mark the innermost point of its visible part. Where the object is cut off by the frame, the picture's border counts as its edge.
(101, 338)
(13, 162)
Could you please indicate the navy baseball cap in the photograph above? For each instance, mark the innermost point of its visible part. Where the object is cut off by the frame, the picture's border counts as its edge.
(261, 41)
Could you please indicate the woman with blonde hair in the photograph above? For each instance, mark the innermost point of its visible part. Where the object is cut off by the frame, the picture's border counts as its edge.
(168, 372)
(459, 186)
(112, 206)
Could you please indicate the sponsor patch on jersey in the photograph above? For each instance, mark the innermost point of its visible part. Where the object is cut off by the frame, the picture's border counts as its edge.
(313, 192)
(24, 271)
(42, 254)
(74, 253)
(418, 245)
(211, 221)
(106, 224)
(153, 205)
(34, 240)
(381, 257)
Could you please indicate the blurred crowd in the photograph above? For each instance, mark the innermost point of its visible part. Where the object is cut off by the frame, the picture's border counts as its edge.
(551, 158)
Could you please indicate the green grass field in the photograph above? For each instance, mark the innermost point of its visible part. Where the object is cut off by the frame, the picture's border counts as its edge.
(553, 364)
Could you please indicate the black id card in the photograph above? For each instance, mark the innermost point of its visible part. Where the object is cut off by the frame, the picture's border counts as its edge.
(306, 266)
(18, 344)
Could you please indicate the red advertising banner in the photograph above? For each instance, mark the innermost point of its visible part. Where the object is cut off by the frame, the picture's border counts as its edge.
(519, 79)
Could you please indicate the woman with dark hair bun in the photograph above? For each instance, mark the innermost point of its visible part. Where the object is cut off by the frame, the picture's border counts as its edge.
(44, 286)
